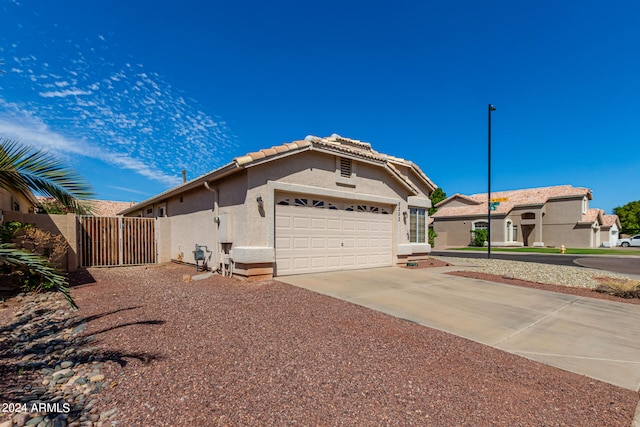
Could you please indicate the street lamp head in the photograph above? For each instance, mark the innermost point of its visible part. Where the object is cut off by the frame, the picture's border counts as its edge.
(491, 107)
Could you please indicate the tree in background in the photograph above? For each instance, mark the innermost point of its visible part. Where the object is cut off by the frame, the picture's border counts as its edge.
(629, 215)
(25, 169)
(437, 196)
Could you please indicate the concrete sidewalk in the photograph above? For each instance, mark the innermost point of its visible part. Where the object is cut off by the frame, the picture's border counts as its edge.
(588, 336)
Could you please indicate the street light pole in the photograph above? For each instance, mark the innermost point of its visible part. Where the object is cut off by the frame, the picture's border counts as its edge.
(490, 109)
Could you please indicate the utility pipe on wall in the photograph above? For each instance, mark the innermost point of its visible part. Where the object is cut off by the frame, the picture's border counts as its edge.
(218, 247)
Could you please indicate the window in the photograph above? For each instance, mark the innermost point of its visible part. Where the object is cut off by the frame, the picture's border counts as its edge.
(149, 211)
(161, 212)
(284, 202)
(318, 204)
(480, 225)
(417, 225)
(585, 205)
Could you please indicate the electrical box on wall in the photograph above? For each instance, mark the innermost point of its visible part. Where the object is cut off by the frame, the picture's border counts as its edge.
(225, 228)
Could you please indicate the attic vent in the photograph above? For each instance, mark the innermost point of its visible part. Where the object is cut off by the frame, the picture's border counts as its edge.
(345, 168)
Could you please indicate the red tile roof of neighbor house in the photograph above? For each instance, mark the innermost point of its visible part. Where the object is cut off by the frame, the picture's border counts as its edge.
(592, 215)
(609, 221)
(515, 198)
(101, 207)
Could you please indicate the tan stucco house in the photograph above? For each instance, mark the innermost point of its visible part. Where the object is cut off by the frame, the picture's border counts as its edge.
(547, 216)
(317, 204)
(17, 201)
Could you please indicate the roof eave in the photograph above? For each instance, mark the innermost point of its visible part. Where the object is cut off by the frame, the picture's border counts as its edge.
(219, 173)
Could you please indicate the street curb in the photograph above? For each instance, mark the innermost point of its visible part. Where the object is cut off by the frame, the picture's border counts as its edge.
(636, 417)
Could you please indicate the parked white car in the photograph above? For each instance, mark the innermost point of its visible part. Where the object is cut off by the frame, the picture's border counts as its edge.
(630, 241)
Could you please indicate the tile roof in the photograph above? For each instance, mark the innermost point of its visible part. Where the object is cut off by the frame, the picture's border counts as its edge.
(609, 220)
(592, 215)
(336, 143)
(525, 197)
(101, 207)
(333, 144)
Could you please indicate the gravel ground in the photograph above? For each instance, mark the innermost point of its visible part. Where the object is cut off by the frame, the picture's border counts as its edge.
(541, 273)
(224, 352)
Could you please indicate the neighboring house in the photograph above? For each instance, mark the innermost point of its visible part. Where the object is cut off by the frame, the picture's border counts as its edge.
(318, 204)
(17, 201)
(610, 230)
(548, 216)
(108, 207)
(99, 207)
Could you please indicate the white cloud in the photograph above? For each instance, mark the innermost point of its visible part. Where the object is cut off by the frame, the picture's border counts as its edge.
(29, 130)
(64, 93)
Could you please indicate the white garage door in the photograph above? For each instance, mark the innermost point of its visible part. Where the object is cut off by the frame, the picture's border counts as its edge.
(315, 234)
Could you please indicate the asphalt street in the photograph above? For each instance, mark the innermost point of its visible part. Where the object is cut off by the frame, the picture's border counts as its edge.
(617, 264)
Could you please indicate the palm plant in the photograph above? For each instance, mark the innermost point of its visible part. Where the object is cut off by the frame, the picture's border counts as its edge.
(25, 169)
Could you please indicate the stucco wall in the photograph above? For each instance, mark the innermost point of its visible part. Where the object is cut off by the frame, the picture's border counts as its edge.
(8, 200)
(55, 224)
(563, 211)
(452, 232)
(163, 239)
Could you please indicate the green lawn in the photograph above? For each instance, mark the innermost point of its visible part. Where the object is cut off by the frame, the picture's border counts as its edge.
(570, 251)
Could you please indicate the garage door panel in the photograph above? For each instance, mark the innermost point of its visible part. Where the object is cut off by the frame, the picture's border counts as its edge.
(325, 236)
(348, 224)
(300, 223)
(318, 224)
(300, 243)
(348, 261)
(283, 222)
(318, 262)
(300, 263)
(283, 243)
(318, 243)
(333, 224)
(333, 261)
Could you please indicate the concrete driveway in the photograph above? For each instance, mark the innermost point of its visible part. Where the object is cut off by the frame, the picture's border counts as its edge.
(592, 337)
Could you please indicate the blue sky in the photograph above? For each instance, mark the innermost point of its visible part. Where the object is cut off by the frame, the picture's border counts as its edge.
(130, 93)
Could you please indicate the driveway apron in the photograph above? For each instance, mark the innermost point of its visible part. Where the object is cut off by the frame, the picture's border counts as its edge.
(596, 338)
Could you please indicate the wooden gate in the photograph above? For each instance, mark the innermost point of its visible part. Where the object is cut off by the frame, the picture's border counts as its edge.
(113, 241)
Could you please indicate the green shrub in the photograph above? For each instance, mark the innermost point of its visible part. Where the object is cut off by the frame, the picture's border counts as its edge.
(478, 237)
(432, 237)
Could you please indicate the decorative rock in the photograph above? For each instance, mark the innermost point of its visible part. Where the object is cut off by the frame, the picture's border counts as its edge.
(97, 378)
(34, 421)
(47, 342)
(20, 419)
(108, 414)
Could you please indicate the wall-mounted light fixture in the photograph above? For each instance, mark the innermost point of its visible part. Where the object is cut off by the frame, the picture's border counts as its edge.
(405, 214)
(260, 202)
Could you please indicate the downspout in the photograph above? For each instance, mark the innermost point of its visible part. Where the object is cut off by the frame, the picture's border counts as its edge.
(218, 247)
